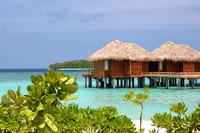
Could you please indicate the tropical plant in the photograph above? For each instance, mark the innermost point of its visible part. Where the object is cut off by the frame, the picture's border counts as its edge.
(36, 109)
(42, 109)
(178, 120)
(101, 120)
(138, 99)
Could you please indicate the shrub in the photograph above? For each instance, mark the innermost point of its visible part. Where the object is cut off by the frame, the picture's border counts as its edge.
(42, 110)
(178, 120)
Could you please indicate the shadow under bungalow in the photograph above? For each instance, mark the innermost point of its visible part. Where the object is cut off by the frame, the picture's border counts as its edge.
(121, 65)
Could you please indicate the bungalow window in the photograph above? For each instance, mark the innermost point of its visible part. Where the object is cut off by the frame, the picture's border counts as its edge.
(160, 65)
(106, 65)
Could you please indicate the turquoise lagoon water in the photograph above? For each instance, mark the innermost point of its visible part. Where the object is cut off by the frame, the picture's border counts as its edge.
(160, 98)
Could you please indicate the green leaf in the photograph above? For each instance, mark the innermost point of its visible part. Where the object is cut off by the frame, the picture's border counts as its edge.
(49, 120)
(27, 112)
(50, 98)
(70, 81)
(42, 125)
(11, 94)
(69, 97)
(40, 107)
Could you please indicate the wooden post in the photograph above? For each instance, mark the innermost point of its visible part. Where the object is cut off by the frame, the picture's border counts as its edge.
(85, 82)
(121, 84)
(182, 82)
(90, 82)
(139, 83)
(164, 82)
(191, 83)
(179, 82)
(125, 82)
(171, 82)
(132, 82)
(101, 82)
(167, 83)
(117, 83)
(159, 82)
(97, 82)
(154, 83)
(112, 85)
(150, 83)
(142, 82)
(105, 82)
(175, 81)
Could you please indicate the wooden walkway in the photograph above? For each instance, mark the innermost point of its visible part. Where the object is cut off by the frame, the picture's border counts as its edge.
(153, 74)
(156, 79)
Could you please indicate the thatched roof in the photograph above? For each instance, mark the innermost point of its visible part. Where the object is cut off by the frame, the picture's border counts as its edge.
(117, 50)
(176, 52)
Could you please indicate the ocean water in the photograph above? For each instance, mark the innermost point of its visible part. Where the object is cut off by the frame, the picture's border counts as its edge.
(160, 98)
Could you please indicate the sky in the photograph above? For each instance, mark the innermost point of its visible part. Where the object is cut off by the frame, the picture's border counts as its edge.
(37, 33)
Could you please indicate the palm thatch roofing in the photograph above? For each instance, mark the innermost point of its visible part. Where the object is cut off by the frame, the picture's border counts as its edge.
(117, 50)
(176, 52)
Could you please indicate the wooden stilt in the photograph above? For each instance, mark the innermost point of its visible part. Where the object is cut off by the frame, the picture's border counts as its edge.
(105, 83)
(191, 83)
(97, 82)
(101, 82)
(112, 83)
(175, 81)
(154, 83)
(179, 82)
(139, 83)
(117, 83)
(167, 83)
(132, 82)
(182, 82)
(171, 81)
(159, 82)
(85, 82)
(90, 82)
(142, 82)
(150, 83)
(121, 84)
(125, 82)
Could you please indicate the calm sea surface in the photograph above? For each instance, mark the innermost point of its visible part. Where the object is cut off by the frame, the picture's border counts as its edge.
(160, 98)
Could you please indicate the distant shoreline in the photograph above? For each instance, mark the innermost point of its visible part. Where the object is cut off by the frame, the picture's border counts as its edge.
(24, 70)
(73, 69)
(41, 69)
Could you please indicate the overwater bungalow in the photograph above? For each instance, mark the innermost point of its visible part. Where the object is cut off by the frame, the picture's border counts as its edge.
(118, 64)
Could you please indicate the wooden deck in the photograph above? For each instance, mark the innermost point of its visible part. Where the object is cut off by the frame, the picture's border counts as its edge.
(195, 75)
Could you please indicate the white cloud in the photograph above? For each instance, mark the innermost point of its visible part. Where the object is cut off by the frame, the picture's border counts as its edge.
(29, 15)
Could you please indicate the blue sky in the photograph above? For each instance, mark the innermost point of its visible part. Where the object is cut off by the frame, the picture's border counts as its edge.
(36, 33)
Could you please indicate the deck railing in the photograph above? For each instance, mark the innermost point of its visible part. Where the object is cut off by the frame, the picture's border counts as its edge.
(171, 73)
(88, 71)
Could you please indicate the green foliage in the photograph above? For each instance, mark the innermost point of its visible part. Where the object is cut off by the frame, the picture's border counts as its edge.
(100, 120)
(72, 64)
(178, 120)
(138, 99)
(41, 110)
(35, 110)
